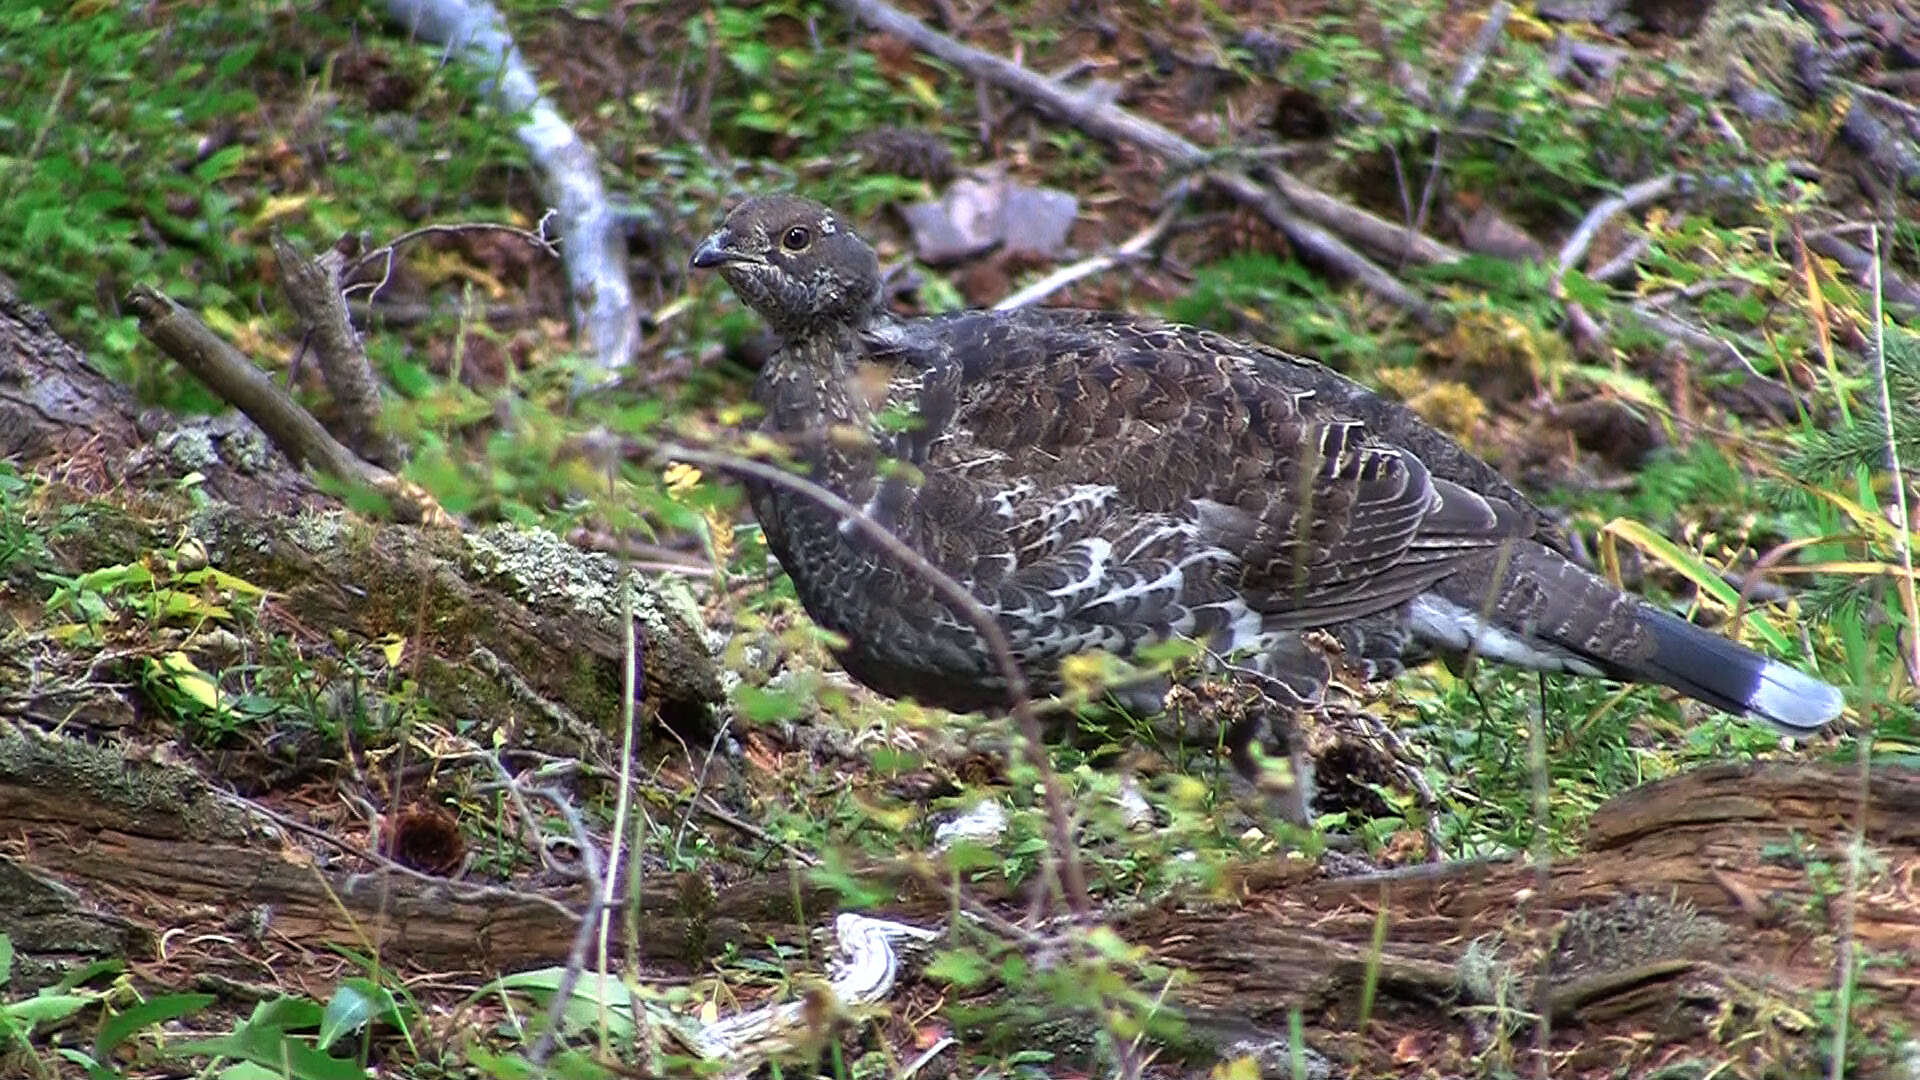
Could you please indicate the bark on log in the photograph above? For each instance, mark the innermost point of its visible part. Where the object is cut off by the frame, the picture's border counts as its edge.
(1740, 847)
(505, 619)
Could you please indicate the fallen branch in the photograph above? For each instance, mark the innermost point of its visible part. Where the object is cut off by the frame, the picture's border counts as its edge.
(595, 248)
(1634, 196)
(314, 291)
(1348, 220)
(234, 378)
(1312, 238)
(1103, 119)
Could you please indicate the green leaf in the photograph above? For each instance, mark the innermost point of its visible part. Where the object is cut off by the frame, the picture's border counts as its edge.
(220, 164)
(964, 968)
(235, 58)
(44, 1007)
(751, 58)
(767, 706)
(88, 972)
(148, 1013)
(270, 1047)
(285, 1013)
(94, 1070)
(354, 1003)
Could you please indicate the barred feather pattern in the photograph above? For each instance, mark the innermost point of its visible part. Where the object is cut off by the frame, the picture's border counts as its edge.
(1108, 481)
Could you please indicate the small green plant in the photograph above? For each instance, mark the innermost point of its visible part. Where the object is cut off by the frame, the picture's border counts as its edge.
(23, 547)
(124, 1016)
(1279, 301)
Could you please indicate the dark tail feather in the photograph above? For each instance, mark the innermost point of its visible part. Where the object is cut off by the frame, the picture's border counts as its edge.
(1530, 606)
(1701, 664)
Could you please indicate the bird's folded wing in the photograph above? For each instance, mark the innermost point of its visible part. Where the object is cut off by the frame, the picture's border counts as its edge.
(1090, 426)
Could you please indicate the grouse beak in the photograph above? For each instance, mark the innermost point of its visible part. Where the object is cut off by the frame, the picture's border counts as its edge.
(717, 250)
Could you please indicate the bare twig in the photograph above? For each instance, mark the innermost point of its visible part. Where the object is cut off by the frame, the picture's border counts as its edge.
(1623, 262)
(1906, 528)
(1101, 118)
(1474, 59)
(531, 833)
(582, 937)
(1727, 350)
(313, 288)
(384, 253)
(1636, 195)
(1856, 850)
(1476, 56)
(956, 597)
(232, 376)
(632, 656)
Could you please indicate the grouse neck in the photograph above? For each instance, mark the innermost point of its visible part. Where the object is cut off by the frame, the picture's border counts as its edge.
(811, 383)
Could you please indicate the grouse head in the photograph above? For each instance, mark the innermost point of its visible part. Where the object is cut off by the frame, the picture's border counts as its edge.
(795, 263)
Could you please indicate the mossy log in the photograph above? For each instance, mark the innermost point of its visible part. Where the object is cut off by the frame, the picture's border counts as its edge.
(1712, 891)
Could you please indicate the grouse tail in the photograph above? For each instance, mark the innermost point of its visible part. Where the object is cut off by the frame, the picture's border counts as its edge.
(1527, 605)
(1710, 668)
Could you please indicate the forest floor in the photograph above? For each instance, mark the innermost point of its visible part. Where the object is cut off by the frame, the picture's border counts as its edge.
(1640, 256)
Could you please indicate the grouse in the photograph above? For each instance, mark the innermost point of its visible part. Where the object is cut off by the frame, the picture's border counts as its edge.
(1108, 481)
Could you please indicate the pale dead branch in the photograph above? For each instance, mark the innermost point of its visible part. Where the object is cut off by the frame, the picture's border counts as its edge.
(594, 249)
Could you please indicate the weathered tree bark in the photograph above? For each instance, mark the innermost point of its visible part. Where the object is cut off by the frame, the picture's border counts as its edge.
(508, 630)
(1697, 892)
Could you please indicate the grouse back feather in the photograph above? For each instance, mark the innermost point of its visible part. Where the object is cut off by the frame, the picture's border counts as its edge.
(1109, 481)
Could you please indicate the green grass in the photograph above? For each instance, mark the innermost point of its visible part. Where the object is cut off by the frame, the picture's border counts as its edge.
(161, 144)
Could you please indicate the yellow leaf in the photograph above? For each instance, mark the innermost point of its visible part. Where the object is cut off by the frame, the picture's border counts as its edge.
(174, 604)
(393, 646)
(680, 478)
(720, 534)
(922, 91)
(179, 670)
(1241, 1068)
(279, 206)
(220, 579)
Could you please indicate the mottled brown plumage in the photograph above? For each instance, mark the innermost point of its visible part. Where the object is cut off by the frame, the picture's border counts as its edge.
(1109, 481)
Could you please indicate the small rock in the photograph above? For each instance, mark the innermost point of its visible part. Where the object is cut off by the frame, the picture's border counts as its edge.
(1036, 220)
(1593, 11)
(966, 221)
(976, 215)
(983, 825)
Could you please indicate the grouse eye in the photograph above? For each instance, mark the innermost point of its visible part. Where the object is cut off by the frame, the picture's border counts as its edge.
(797, 239)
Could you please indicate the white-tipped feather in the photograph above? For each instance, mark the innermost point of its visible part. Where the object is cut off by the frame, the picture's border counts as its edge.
(1794, 701)
(1455, 628)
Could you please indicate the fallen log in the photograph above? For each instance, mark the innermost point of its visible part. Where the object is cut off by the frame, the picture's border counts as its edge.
(1691, 894)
